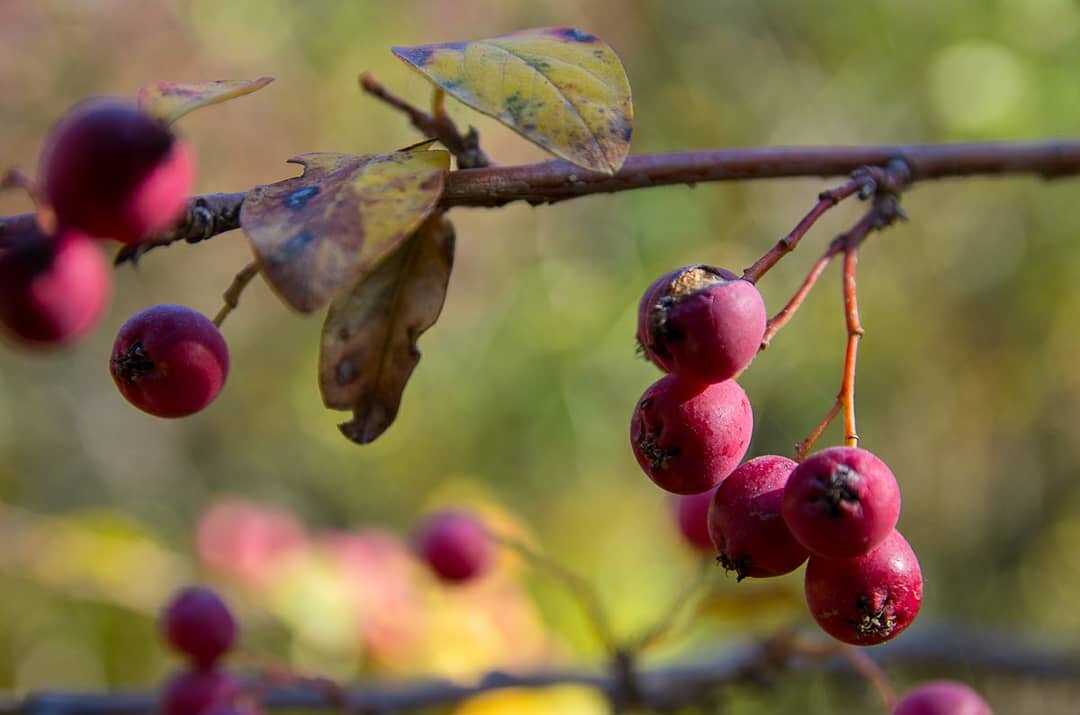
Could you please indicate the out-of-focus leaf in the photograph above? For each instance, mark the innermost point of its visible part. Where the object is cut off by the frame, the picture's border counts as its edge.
(169, 101)
(746, 605)
(369, 338)
(559, 87)
(319, 233)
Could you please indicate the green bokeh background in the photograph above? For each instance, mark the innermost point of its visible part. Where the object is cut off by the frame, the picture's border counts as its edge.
(968, 386)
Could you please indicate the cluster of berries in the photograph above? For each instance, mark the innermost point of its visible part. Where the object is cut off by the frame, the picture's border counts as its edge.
(691, 429)
(111, 171)
(198, 625)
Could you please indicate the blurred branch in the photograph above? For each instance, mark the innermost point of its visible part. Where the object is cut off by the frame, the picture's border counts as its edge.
(659, 687)
(552, 181)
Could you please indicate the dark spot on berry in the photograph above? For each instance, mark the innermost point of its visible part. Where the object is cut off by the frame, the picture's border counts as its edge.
(133, 363)
(838, 490)
(878, 623)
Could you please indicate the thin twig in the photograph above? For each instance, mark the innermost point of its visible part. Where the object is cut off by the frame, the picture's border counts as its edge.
(663, 687)
(576, 585)
(235, 289)
(671, 621)
(558, 180)
(437, 125)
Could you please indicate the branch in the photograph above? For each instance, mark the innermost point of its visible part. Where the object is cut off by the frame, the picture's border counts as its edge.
(660, 687)
(553, 181)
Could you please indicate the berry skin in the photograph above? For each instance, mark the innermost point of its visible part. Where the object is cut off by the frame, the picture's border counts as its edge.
(52, 290)
(942, 697)
(702, 323)
(113, 171)
(199, 625)
(169, 361)
(455, 545)
(688, 437)
(745, 522)
(197, 692)
(691, 513)
(841, 502)
(868, 599)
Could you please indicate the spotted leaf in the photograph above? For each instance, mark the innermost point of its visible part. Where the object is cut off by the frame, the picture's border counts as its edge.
(559, 87)
(171, 100)
(319, 233)
(369, 339)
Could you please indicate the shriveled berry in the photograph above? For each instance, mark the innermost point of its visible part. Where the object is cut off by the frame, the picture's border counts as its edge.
(942, 697)
(198, 692)
(691, 512)
(701, 322)
(841, 502)
(113, 171)
(745, 523)
(52, 289)
(455, 545)
(169, 360)
(868, 599)
(688, 436)
(199, 625)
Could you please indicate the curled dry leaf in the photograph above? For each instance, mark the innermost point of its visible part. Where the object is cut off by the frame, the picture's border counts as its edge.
(169, 101)
(369, 339)
(319, 233)
(559, 87)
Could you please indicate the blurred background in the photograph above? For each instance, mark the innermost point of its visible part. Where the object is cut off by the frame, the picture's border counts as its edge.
(968, 382)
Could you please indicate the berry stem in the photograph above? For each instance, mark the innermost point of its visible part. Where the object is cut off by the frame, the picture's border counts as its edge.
(437, 124)
(788, 311)
(235, 289)
(575, 584)
(854, 333)
(787, 244)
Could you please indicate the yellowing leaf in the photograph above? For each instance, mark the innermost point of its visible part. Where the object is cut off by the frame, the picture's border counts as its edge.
(169, 101)
(319, 233)
(369, 339)
(559, 87)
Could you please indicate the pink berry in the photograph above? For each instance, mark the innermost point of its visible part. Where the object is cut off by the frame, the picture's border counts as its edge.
(455, 545)
(942, 697)
(841, 502)
(691, 512)
(52, 290)
(197, 692)
(745, 522)
(198, 624)
(702, 323)
(868, 599)
(169, 360)
(687, 436)
(113, 171)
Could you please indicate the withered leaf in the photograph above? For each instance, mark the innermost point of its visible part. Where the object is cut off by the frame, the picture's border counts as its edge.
(169, 101)
(368, 349)
(559, 87)
(319, 233)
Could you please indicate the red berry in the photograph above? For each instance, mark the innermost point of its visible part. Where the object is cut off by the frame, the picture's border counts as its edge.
(868, 599)
(113, 171)
(691, 512)
(198, 624)
(942, 697)
(197, 692)
(745, 522)
(52, 290)
(688, 436)
(841, 502)
(169, 360)
(455, 545)
(702, 323)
